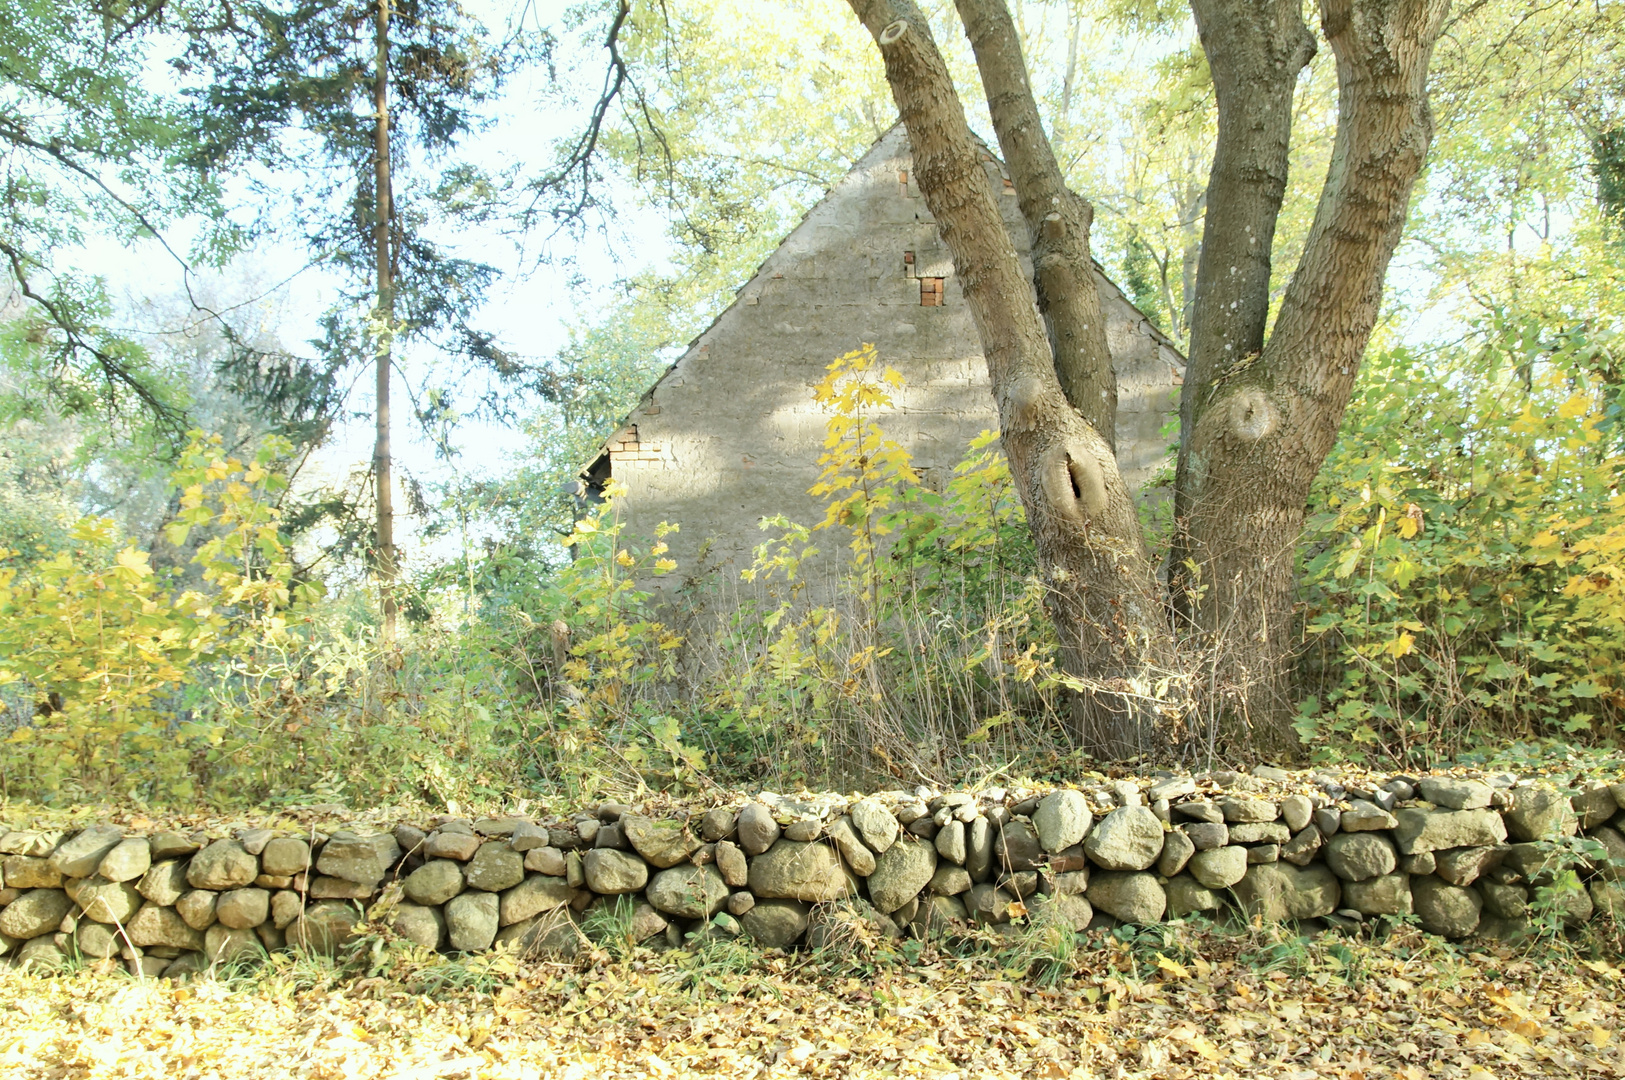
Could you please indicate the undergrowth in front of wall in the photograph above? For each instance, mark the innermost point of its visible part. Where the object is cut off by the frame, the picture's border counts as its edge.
(1462, 600)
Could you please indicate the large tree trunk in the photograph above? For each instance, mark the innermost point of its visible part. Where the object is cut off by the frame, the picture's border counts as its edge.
(1102, 593)
(1058, 220)
(1255, 50)
(1257, 431)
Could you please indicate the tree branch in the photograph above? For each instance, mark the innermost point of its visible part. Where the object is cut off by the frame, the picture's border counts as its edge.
(1058, 219)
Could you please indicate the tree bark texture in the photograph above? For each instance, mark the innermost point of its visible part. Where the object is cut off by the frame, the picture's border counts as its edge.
(1102, 592)
(1257, 433)
(1255, 51)
(1057, 218)
(382, 479)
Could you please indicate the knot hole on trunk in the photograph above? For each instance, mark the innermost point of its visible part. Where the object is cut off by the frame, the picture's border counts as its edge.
(1253, 416)
(1075, 484)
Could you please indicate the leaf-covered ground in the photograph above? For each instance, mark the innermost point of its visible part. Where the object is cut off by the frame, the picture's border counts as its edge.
(1179, 1005)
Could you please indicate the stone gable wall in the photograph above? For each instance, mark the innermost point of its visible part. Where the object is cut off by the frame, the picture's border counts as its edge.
(731, 433)
(1463, 855)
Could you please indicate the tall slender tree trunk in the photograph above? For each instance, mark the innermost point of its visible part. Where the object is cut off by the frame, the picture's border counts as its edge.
(1102, 593)
(382, 478)
(1262, 416)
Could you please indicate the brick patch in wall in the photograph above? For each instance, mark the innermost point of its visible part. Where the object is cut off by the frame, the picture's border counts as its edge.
(930, 292)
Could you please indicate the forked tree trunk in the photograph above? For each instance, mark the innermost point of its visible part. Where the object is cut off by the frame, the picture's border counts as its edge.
(1257, 431)
(1102, 593)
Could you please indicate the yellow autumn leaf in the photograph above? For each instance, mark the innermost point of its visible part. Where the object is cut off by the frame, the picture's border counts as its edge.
(1172, 967)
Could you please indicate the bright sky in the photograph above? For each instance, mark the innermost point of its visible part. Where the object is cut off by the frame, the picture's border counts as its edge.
(541, 291)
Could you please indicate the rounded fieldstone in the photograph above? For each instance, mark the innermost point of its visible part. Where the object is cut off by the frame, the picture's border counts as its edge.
(1417, 830)
(661, 843)
(900, 873)
(128, 860)
(421, 925)
(494, 867)
(1206, 835)
(758, 831)
(1187, 896)
(31, 872)
(1017, 848)
(1455, 794)
(857, 855)
(80, 856)
(1445, 909)
(1128, 838)
(1462, 866)
(1129, 897)
(536, 894)
(1361, 855)
(460, 846)
(197, 908)
(435, 882)
(1241, 809)
(324, 926)
(940, 916)
(688, 892)
(155, 926)
(731, 864)
(1061, 820)
(36, 912)
(1219, 868)
(610, 872)
(1506, 901)
(472, 921)
(97, 939)
(1301, 849)
(285, 856)
(1540, 812)
(41, 955)
(645, 922)
(877, 825)
(776, 924)
(108, 901)
(791, 871)
(223, 944)
(1297, 811)
(1389, 894)
(950, 842)
(243, 909)
(224, 864)
(1608, 897)
(1073, 912)
(1280, 891)
(1177, 850)
(949, 880)
(988, 905)
(718, 824)
(552, 934)
(979, 848)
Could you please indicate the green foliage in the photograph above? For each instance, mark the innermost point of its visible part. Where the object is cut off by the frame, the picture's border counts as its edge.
(105, 643)
(934, 652)
(1468, 584)
(91, 147)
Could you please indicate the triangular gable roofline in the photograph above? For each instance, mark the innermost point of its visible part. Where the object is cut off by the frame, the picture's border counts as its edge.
(586, 473)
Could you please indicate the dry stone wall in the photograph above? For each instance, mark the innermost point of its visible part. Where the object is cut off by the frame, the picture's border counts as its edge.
(1463, 854)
